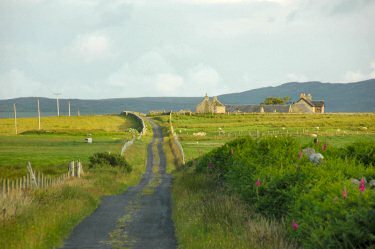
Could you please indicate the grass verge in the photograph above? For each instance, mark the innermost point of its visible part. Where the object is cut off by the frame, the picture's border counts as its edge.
(207, 216)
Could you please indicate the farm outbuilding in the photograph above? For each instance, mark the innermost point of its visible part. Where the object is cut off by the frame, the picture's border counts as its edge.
(306, 105)
(207, 106)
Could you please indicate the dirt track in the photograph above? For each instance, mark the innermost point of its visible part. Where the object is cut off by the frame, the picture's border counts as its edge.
(139, 218)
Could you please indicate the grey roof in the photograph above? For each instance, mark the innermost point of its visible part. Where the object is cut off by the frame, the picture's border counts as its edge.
(278, 108)
(242, 108)
(313, 103)
(257, 108)
(317, 103)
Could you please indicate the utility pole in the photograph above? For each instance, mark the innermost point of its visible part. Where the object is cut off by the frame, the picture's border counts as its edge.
(69, 108)
(78, 113)
(15, 118)
(57, 101)
(39, 114)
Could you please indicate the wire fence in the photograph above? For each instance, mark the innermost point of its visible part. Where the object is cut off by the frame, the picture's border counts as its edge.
(38, 180)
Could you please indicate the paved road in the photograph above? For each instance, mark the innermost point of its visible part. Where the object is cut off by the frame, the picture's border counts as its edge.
(139, 218)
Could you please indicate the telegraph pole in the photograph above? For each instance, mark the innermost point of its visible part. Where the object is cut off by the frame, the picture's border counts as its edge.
(39, 114)
(57, 102)
(69, 108)
(15, 118)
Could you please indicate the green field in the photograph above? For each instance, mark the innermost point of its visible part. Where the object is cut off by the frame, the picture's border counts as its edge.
(42, 218)
(338, 129)
(218, 208)
(62, 140)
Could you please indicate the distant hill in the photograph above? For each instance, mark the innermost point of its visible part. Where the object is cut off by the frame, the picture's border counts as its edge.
(349, 97)
(27, 107)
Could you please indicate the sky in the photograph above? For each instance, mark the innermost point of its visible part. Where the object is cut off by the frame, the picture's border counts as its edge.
(95, 49)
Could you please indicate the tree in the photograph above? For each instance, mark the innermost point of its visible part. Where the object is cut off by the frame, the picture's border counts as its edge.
(273, 101)
(276, 101)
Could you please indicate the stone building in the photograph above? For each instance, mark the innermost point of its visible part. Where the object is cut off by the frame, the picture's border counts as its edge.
(259, 108)
(306, 105)
(207, 106)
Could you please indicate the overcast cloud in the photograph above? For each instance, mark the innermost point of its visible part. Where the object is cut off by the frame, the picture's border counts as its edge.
(132, 48)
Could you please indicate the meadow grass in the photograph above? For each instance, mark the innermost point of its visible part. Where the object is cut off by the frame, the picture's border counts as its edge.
(237, 125)
(41, 218)
(337, 129)
(75, 124)
(207, 216)
(50, 152)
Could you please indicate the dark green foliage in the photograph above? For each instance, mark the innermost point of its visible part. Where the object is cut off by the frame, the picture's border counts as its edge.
(275, 101)
(364, 152)
(297, 190)
(105, 159)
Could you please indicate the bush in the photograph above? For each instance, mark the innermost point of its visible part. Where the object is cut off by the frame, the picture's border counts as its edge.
(363, 152)
(104, 159)
(297, 190)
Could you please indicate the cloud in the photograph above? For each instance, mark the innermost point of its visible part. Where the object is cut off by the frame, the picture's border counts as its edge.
(91, 47)
(17, 84)
(153, 75)
(296, 77)
(168, 84)
(205, 2)
(203, 76)
(357, 75)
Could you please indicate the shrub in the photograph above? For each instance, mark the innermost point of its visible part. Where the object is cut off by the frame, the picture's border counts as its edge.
(104, 159)
(298, 190)
(363, 152)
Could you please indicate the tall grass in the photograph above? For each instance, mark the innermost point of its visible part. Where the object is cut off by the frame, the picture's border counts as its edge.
(207, 216)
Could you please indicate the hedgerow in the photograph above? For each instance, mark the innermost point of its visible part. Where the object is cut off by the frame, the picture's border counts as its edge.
(280, 182)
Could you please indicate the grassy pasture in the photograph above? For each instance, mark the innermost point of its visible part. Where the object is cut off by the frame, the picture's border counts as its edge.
(41, 218)
(95, 124)
(50, 152)
(337, 129)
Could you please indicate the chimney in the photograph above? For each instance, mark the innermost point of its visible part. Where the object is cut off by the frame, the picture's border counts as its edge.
(302, 96)
(309, 96)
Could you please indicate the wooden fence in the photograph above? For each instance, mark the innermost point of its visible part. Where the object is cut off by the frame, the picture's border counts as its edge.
(39, 180)
(176, 139)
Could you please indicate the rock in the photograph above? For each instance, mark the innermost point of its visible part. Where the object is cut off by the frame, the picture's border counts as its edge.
(308, 151)
(316, 158)
(354, 181)
(371, 184)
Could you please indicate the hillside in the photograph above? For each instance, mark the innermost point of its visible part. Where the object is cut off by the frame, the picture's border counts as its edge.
(350, 97)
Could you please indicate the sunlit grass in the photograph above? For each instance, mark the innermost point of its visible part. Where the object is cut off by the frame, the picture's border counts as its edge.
(103, 123)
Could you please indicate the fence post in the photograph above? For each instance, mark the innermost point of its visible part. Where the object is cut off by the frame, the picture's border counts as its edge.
(32, 175)
(71, 168)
